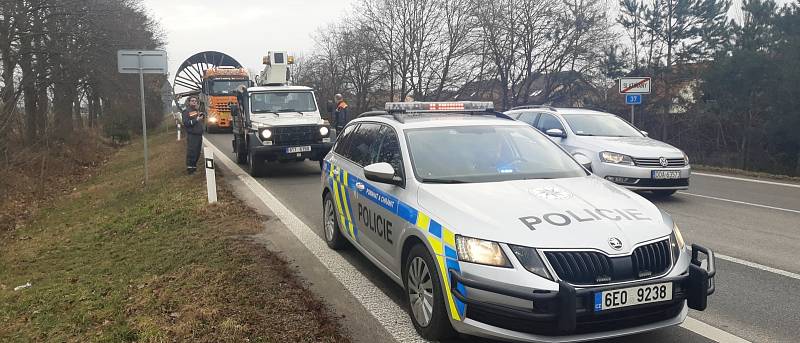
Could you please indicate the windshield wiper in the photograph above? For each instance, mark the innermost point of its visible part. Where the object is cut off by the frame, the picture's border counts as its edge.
(442, 181)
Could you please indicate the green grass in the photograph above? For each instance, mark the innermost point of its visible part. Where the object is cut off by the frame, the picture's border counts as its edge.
(120, 261)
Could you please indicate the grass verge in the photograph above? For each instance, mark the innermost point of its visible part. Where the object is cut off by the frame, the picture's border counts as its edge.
(115, 260)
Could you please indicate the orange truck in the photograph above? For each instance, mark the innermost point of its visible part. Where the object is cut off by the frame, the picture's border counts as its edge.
(217, 93)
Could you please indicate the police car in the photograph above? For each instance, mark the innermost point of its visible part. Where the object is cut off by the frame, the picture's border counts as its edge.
(494, 230)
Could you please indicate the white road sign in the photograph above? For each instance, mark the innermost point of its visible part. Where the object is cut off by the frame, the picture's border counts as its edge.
(634, 85)
(152, 61)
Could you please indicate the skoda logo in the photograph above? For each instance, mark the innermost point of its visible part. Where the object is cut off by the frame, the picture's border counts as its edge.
(663, 161)
(551, 193)
(615, 243)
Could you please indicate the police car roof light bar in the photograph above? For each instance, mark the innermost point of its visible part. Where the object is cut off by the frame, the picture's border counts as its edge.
(460, 106)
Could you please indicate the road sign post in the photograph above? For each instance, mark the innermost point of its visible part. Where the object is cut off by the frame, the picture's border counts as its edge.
(633, 100)
(633, 88)
(142, 62)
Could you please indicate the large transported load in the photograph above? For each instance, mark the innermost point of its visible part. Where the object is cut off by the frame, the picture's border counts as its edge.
(213, 77)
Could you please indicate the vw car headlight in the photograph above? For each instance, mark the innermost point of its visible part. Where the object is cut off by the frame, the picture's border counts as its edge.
(616, 158)
(529, 258)
(480, 251)
(266, 134)
(324, 131)
(676, 242)
(212, 119)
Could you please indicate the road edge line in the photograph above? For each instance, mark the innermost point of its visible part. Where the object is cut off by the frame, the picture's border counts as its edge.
(711, 332)
(392, 317)
(741, 202)
(759, 266)
(747, 179)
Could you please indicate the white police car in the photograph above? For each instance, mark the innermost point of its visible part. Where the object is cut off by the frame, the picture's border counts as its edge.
(494, 230)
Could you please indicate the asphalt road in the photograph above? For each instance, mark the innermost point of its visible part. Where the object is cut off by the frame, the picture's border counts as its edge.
(755, 222)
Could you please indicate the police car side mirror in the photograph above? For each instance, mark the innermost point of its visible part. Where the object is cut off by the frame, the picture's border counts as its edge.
(382, 172)
(556, 133)
(584, 161)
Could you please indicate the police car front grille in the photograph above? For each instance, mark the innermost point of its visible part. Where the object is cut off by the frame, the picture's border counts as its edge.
(595, 268)
(651, 259)
(656, 162)
(581, 267)
(295, 135)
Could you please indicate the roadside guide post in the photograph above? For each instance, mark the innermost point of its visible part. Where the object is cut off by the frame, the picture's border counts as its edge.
(142, 62)
(633, 88)
(211, 180)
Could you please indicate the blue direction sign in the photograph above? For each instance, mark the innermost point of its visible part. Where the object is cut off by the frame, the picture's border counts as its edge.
(633, 99)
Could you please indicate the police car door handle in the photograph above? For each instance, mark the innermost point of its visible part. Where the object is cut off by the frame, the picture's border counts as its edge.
(360, 186)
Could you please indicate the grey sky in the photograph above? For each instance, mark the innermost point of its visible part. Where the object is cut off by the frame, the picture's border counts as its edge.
(243, 29)
(247, 29)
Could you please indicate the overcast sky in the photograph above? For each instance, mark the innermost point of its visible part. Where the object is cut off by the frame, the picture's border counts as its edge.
(243, 29)
(247, 29)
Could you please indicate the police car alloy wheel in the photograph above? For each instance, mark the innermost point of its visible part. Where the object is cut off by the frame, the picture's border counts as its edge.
(333, 236)
(425, 299)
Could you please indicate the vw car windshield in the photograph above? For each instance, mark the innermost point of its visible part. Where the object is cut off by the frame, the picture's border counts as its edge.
(277, 102)
(600, 125)
(468, 154)
(223, 87)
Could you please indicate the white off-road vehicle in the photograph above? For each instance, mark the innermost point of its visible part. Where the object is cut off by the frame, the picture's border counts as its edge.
(275, 122)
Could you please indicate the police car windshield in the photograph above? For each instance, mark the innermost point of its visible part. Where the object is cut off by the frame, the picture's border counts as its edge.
(600, 125)
(467, 154)
(275, 102)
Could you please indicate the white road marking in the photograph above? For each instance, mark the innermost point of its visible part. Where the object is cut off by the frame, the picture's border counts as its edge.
(758, 266)
(711, 332)
(748, 180)
(393, 318)
(742, 202)
(387, 312)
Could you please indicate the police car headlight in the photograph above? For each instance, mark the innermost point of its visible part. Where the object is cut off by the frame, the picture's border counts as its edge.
(480, 251)
(686, 158)
(676, 242)
(266, 133)
(529, 258)
(616, 158)
(324, 131)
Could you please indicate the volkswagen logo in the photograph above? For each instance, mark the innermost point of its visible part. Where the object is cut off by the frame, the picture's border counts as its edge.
(663, 161)
(615, 243)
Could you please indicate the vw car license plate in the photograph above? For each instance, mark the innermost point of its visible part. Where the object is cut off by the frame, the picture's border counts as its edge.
(295, 149)
(632, 296)
(666, 174)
